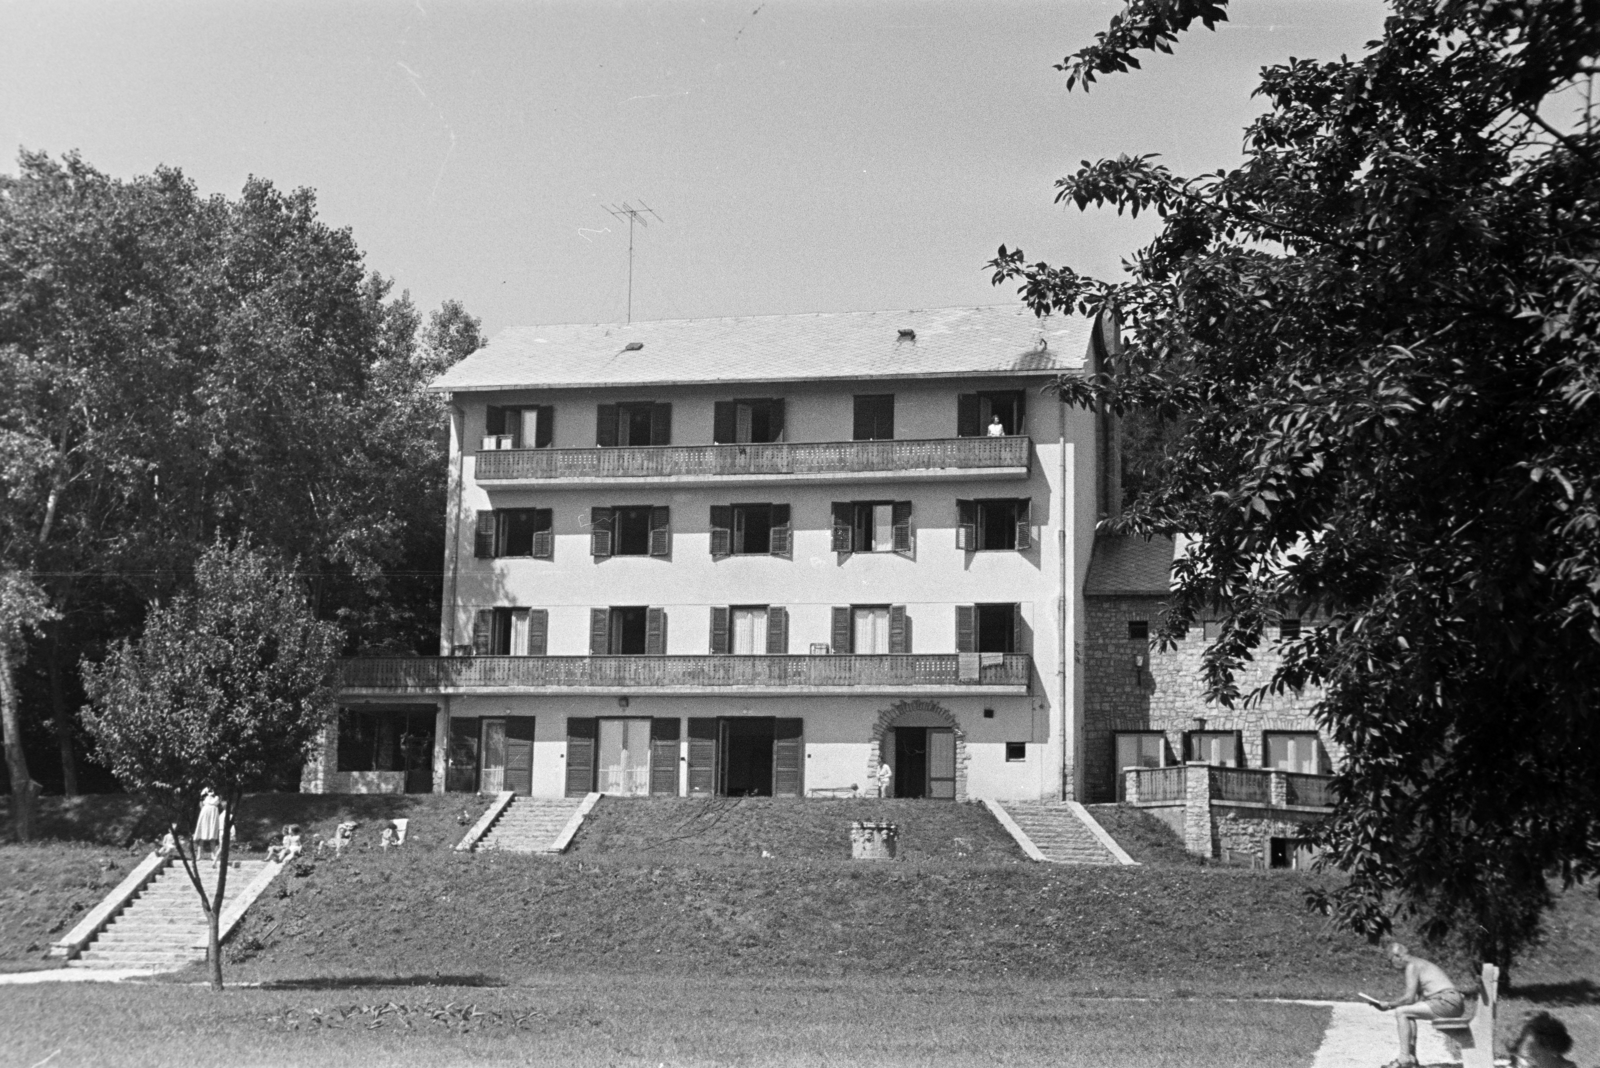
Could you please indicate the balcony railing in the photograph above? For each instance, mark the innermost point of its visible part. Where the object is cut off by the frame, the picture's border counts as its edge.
(930, 458)
(1244, 786)
(1312, 791)
(914, 672)
(1249, 785)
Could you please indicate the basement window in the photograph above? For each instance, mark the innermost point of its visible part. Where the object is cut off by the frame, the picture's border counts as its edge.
(1016, 751)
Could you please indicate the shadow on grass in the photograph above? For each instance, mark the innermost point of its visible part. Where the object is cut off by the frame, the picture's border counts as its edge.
(1576, 992)
(357, 982)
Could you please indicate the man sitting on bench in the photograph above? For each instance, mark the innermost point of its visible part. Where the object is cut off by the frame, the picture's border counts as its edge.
(1429, 995)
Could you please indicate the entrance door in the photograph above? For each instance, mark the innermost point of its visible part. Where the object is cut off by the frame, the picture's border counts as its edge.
(625, 757)
(518, 777)
(746, 752)
(910, 762)
(493, 779)
(941, 763)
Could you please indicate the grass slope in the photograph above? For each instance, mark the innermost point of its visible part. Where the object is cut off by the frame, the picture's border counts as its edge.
(1144, 838)
(46, 887)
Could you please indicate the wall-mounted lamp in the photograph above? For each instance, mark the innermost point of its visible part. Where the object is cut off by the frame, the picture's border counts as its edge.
(622, 702)
(1138, 667)
(1199, 723)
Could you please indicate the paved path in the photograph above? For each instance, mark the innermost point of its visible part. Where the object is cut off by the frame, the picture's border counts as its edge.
(1360, 1036)
(71, 975)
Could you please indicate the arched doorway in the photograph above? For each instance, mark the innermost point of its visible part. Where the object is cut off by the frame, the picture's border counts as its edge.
(925, 748)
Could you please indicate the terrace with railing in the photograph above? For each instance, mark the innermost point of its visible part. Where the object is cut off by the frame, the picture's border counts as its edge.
(1268, 787)
(894, 674)
(795, 462)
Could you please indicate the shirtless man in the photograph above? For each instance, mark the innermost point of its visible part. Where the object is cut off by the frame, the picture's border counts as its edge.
(1430, 995)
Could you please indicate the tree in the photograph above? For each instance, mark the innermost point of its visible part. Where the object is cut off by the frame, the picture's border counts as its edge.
(228, 683)
(1379, 334)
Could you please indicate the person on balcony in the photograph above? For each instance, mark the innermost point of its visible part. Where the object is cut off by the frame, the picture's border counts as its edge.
(1429, 995)
(996, 428)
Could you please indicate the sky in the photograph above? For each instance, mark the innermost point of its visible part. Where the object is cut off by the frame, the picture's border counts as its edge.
(798, 155)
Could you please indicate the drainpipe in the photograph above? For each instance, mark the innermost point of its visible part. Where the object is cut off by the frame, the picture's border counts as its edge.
(458, 418)
(1068, 741)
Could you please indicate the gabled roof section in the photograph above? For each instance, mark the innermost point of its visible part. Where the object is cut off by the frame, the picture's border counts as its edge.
(943, 343)
(1126, 566)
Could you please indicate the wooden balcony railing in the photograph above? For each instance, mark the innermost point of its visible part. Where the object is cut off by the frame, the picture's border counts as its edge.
(781, 459)
(1250, 785)
(911, 672)
(1312, 791)
(1246, 786)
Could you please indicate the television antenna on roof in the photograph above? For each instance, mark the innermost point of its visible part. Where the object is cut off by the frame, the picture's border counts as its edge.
(633, 215)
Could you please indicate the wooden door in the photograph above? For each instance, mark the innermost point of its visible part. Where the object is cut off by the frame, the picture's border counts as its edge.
(492, 781)
(519, 755)
(702, 756)
(941, 763)
(581, 732)
(788, 758)
(664, 757)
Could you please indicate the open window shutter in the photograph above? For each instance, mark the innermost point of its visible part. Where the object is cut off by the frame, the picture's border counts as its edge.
(742, 419)
(600, 522)
(538, 631)
(721, 530)
(1024, 524)
(581, 732)
(544, 540)
(661, 531)
(782, 536)
(655, 632)
(902, 527)
(482, 631)
(788, 758)
(1019, 643)
(702, 756)
(599, 631)
(1022, 413)
(664, 757)
(899, 629)
(483, 535)
(966, 525)
(720, 642)
(723, 425)
(494, 420)
(844, 522)
(966, 628)
(967, 416)
(841, 629)
(775, 419)
(661, 424)
(777, 630)
(605, 430)
(545, 433)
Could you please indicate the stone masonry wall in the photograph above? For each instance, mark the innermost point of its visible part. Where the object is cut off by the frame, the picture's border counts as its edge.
(1168, 693)
(1247, 830)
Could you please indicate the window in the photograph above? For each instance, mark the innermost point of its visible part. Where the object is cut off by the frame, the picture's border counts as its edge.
(1016, 751)
(1138, 630)
(988, 713)
(978, 413)
(1299, 751)
(750, 530)
(874, 417)
(1212, 629)
(1215, 747)
(627, 631)
(740, 421)
(989, 628)
(510, 632)
(531, 427)
(385, 741)
(633, 423)
(515, 532)
(872, 527)
(871, 630)
(994, 525)
(1141, 749)
(750, 630)
(1288, 629)
(630, 530)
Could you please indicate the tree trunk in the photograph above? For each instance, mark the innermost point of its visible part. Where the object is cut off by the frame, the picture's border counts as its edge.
(63, 721)
(16, 761)
(214, 918)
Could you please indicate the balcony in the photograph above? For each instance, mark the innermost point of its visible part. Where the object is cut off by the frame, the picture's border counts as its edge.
(798, 463)
(914, 673)
(1213, 785)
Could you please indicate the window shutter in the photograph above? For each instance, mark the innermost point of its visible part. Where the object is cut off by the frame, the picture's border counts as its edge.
(538, 631)
(702, 756)
(844, 522)
(782, 536)
(723, 425)
(777, 630)
(494, 420)
(788, 758)
(605, 431)
(899, 629)
(661, 424)
(664, 757)
(902, 527)
(544, 540)
(599, 631)
(545, 434)
(721, 530)
(661, 531)
(841, 629)
(966, 525)
(600, 522)
(967, 416)
(1024, 523)
(864, 426)
(775, 419)
(581, 732)
(966, 628)
(483, 535)
(1022, 413)
(742, 420)
(1018, 645)
(720, 642)
(482, 631)
(655, 632)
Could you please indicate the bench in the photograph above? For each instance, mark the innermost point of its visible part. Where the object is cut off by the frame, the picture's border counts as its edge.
(1472, 1033)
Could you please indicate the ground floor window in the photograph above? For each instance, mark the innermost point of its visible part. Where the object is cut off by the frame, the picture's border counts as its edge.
(388, 741)
(1298, 751)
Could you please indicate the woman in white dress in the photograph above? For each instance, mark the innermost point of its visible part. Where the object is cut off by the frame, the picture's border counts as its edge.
(208, 828)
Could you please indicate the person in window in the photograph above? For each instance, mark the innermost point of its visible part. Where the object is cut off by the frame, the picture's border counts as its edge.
(996, 428)
(1429, 995)
(1543, 1042)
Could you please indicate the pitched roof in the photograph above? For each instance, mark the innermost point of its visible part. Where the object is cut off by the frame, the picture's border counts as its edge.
(949, 342)
(1129, 566)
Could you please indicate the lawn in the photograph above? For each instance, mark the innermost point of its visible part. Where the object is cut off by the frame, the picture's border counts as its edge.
(1143, 837)
(46, 887)
(617, 1020)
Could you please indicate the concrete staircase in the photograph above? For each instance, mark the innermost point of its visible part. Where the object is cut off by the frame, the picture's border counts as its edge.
(162, 925)
(1058, 832)
(534, 825)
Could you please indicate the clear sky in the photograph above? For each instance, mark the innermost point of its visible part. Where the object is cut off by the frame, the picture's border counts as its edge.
(802, 155)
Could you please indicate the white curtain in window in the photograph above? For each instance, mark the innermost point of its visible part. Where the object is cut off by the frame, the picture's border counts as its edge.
(625, 757)
(1293, 752)
(519, 632)
(882, 528)
(530, 427)
(749, 631)
(872, 630)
